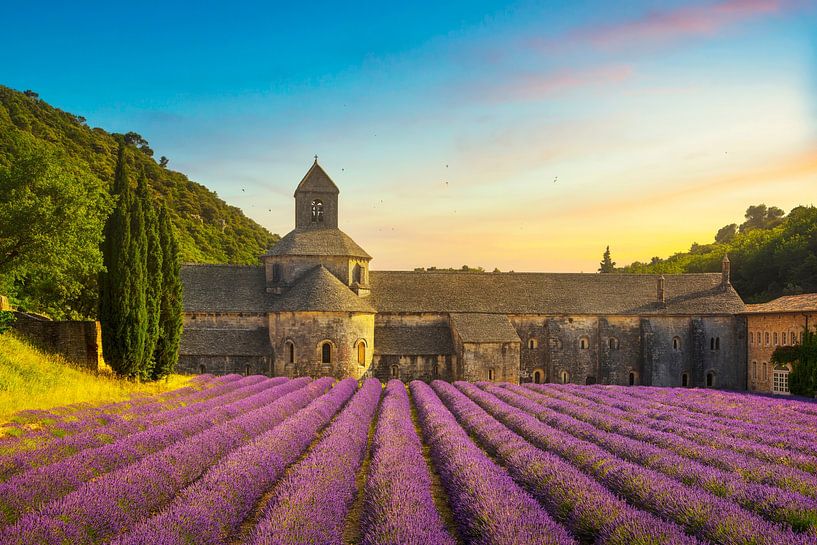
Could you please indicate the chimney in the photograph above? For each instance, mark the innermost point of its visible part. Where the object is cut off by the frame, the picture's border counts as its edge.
(661, 295)
(725, 271)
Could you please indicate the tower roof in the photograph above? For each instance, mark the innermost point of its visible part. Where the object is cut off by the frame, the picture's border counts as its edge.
(325, 242)
(320, 290)
(317, 180)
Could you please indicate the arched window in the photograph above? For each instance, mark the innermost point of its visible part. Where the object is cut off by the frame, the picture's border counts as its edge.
(613, 343)
(793, 338)
(633, 379)
(317, 211)
(766, 336)
(491, 374)
(685, 380)
(590, 380)
(290, 351)
(676, 343)
(357, 274)
(435, 370)
(754, 370)
(710, 379)
(712, 343)
(775, 338)
(277, 272)
(326, 352)
(717, 343)
(246, 370)
(584, 343)
(537, 377)
(395, 371)
(361, 352)
(532, 343)
(765, 371)
(565, 377)
(751, 337)
(202, 369)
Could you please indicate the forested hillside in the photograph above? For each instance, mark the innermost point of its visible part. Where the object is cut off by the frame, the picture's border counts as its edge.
(208, 229)
(772, 254)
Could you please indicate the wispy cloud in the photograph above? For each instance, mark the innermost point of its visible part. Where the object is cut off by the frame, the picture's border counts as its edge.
(539, 86)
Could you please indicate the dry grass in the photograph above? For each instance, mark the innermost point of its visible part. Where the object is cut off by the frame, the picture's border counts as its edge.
(33, 379)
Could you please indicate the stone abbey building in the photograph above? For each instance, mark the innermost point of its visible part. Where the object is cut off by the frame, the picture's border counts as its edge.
(315, 308)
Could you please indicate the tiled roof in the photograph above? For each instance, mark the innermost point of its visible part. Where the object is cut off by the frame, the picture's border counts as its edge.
(228, 342)
(320, 290)
(316, 179)
(224, 288)
(483, 328)
(419, 340)
(326, 241)
(550, 293)
(806, 302)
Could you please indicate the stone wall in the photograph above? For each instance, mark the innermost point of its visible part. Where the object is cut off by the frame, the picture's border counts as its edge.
(307, 331)
(77, 341)
(223, 365)
(415, 367)
(765, 334)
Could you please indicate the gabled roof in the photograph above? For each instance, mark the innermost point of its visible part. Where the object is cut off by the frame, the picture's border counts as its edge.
(421, 340)
(228, 342)
(550, 293)
(806, 302)
(320, 290)
(328, 241)
(224, 288)
(484, 328)
(317, 180)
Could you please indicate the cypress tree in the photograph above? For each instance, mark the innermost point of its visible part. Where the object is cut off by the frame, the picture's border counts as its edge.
(170, 317)
(122, 343)
(153, 281)
(137, 263)
(607, 265)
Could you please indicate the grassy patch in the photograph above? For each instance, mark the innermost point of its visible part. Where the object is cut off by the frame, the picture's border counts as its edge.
(33, 379)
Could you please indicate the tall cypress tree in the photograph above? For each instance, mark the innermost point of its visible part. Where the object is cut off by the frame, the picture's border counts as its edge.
(122, 340)
(137, 263)
(153, 280)
(170, 318)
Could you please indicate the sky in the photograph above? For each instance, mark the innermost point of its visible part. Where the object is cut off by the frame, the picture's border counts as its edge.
(526, 136)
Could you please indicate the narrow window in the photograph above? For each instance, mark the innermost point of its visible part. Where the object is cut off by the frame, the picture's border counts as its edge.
(685, 380)
(590, 380)
(317, 211)
(565, 377)
(290, 349)
(633, 380)
(584, 343)
(717, 343)
(491, 374)
(246, 370)
(532, 344)
(775, 338)
(676, 343)
(751, 338)
(537, 377)
(276, 272)
(361, 353)
(710, 379)
(358, 274)
(613, 343)
(395, 371)
(202, 369)
(766, 335)
(793, 339)
(765, 371)
(783, 338)
(435, 370)
(754, 370)
(326, 353)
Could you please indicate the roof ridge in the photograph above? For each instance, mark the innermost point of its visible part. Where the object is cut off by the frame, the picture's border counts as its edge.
(517, 273)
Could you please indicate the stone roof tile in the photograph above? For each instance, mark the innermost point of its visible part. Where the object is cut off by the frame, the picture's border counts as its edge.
(483, 328)
(229, 342)
(421, 340)
(323, 242)
(320, 290)
(806, 302)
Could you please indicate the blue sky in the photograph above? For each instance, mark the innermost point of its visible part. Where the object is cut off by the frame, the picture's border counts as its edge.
(523, 135)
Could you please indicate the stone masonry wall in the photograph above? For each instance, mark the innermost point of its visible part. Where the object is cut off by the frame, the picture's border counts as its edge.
(765, 334)
(78, 341)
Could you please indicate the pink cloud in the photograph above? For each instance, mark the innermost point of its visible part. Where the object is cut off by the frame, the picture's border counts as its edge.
(537, 86)
(670, 25)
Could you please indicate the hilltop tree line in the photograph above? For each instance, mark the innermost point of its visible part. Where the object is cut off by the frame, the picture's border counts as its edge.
(772, 254)
(140, 291)
(71, 166)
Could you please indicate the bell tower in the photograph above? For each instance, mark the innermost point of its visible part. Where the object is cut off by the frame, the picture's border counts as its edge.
(316, 200)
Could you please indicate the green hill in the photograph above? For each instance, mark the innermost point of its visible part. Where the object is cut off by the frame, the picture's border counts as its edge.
(209, 230)
(772, 254)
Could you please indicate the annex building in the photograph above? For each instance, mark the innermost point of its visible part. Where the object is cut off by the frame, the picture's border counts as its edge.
(314, 307)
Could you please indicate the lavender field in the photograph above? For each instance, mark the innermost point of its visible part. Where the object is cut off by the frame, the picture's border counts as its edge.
(254, 460)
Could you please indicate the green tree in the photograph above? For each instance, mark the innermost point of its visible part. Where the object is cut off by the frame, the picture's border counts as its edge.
(51, 218)
(726, 233)
(153, 270)
(803, 359)
(6, 320)
(122, 311)
(170, 319)
(607, 265)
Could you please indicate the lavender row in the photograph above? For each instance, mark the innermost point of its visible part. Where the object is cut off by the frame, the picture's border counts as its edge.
(210, 511)
(749, 468)
(701, 514)
(590, 511)
(489, 507)
(770, 447)
(399, 508)
(78, 417)
(109, 505)
(29, 490)
(792, 509)
(65, 447)
(325, 478)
